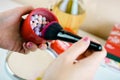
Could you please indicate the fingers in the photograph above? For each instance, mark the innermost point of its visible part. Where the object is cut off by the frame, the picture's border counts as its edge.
(77, 49)
(95, 58)
(43, 46)
(27, 47)
(31, 46)
(24, 49)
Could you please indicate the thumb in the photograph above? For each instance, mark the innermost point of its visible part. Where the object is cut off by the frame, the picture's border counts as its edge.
(77, 49)
(31, 46)
(23, 10)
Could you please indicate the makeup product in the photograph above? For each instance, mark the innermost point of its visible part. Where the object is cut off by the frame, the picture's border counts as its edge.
(37, 23)
(29, 66)
(49, 29)
(34, 23)
(113, 43)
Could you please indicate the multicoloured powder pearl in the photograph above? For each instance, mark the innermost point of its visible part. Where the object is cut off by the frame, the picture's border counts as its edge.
(37, 23)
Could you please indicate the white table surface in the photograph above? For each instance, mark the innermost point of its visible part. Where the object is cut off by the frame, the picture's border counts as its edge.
(103, 73)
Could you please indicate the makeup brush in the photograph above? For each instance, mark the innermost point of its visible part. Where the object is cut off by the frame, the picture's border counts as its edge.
(54, 31)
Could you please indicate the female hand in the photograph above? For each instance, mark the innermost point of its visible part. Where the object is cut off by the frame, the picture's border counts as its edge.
(10, 37)
(66, 67)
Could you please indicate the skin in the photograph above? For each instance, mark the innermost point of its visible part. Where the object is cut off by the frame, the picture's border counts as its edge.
(10, 38)
(65, 67)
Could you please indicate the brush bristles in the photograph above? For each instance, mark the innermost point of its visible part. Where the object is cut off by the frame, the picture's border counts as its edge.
(52, 31)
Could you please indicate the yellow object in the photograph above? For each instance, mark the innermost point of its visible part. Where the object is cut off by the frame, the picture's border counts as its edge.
(39, 78)
(68, 20)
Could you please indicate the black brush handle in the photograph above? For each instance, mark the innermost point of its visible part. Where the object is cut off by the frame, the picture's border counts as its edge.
(69, 37)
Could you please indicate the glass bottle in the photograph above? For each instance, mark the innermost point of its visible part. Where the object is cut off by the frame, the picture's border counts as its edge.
(70, 14)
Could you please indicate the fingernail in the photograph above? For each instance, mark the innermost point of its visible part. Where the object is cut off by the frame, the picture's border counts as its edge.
(29, 45)
(86, 39)
(43, 46)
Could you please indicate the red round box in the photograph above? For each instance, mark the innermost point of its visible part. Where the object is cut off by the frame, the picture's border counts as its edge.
(26, 30)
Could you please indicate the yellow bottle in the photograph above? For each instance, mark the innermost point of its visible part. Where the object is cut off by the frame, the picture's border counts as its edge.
(70, 14)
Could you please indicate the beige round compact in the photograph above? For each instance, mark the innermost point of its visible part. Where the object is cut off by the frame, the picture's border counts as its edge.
(29, 66)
